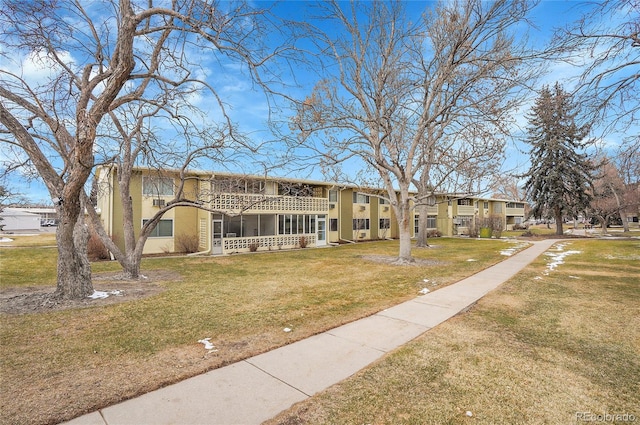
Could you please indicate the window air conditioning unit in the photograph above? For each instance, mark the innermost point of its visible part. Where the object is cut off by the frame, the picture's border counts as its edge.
(362, 208)
(386, 209)
(363, 235)
(332, 206)
(231, 235)
(158, 202)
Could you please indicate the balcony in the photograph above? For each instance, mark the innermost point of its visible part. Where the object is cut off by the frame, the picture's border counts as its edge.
(236, 203)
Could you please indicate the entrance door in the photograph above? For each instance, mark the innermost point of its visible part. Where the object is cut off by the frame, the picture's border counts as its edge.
(216, 238)
(321, 232)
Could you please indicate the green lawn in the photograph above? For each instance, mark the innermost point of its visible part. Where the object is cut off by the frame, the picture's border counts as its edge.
(66, 363)
(547, 347)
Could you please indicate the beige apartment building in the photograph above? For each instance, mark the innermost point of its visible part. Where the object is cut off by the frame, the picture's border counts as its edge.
(240, 213)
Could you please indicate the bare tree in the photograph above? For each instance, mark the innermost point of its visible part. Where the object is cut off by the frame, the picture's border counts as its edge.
(421, 100)
(472, 84)
(627, 163)
(605, 42)
(608, 196)
(97, 61)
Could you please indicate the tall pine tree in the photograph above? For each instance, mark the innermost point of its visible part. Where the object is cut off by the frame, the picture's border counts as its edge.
(560, 176)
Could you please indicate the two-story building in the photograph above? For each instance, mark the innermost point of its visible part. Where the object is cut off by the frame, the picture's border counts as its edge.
(239, 213)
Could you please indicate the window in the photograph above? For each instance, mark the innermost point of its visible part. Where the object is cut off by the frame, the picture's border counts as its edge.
(295, 189)
(384, 201)
(431, 201)
(465, 201)
(464, 220)
(164, 229)
(360, 224)
(333, 196)
(333, 224)
(296, 224)
(385, 223)
(360, 198)
(235, 185)
(157, 186)
(486, 205)
(497, 207)
(432, 221)
(515, 205)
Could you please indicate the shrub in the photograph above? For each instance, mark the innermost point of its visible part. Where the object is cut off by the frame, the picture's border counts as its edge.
(495, 223)
(303, 242)
(434, 233)
(253, 247)
(95, 248)
(520, 226)
(187, 243)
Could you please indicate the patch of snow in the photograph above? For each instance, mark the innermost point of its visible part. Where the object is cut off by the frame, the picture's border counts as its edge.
(3, 239)
(287, 329)
(574, 277)
(425, 280)
(103, 294)
(537, 278)
(471, 259)
(558, 259)
(469, 413)
(207, 344)
(424, 291)
(517, 246)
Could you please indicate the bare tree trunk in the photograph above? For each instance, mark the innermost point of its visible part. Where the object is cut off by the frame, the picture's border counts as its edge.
(422, 237)
(625, 223)
(603, 223)
(404, 228)
(74, 269)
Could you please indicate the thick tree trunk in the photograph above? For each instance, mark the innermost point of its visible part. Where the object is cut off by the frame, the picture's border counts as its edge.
(625, 223)
(421, 238)
(603, 223)
(131, 268)
(404, 228)
(558, 216)
(74, 269)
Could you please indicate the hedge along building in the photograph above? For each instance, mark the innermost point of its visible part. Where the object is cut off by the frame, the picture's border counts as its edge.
(239, 213)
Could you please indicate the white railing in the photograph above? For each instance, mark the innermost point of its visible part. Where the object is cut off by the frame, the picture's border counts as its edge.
(235, 203)
(263, 243)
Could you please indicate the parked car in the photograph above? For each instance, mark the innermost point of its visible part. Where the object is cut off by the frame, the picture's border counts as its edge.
(47, 223)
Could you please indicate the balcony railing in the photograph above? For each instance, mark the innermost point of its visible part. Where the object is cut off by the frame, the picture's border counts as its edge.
(466, 210)
(262, 243)
(235, 203)
(515, 211)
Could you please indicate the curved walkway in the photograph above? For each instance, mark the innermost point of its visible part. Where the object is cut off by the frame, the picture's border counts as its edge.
(258, 388)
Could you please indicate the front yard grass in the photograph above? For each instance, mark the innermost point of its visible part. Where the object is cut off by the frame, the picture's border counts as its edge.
(551, 346)
(58, 365)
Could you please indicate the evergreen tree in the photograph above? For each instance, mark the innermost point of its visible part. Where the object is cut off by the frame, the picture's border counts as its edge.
(560, 176)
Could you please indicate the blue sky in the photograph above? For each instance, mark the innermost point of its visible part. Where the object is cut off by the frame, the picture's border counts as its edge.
(250, 109)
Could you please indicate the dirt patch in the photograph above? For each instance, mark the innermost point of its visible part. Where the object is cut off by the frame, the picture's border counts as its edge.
(38, 299)
(393, 261)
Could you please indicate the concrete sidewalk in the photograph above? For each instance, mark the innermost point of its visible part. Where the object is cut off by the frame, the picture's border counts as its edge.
(257, 389)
